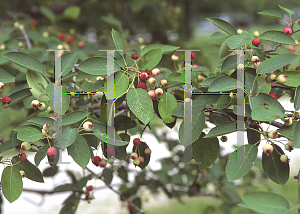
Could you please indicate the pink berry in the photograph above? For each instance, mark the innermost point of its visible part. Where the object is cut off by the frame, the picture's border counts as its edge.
(152, 94)
(52, 152)
(103, 163)
(71, 39)
(193, 55)
(288, 31)
(144, 76)
(110, 151)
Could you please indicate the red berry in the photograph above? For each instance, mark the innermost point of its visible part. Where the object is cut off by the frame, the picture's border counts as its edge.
(62, 36)
(71, 39)
(103, 163)
(144, 76)
(5, 100)
(142, 85)
(33, 23)
(256, 42)
(52, 152)
(110, 151)
(134, 56)
(22, 156)
(96, 160)
(273, 95)
(193, 55)
(297, 68)
(89, 188)
(288, 31)
(136, 141)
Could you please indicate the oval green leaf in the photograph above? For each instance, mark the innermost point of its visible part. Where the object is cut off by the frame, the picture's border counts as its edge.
(166, 106)
(80, 151)
(11, 183)
(29, 134)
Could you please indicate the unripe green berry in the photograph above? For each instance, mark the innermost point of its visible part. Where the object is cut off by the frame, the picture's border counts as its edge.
(240, 66)
(254, 58)
(25, 146)
(200, 78)
(151, 81)
(164, 82)
(283, 158)
(42, 106)
(288, 121)
(136, 162)
(231, 95)
(287, 147)
(22, 173)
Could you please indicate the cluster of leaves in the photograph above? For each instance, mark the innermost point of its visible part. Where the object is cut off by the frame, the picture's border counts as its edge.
(218, 109)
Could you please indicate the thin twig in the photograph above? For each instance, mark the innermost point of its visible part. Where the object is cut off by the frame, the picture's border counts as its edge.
(26, 39)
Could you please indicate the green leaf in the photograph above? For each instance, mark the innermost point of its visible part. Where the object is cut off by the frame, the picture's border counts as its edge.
(29, 134)
(224, 49)
(205, 151)
(237, 41)
(292, 79)
(222, 102)
(42, 120)
(50, 172)
(72, 12)
(31, 171)
(253, 136)
(100, 132)
(123, 122)
(121, 84)
(266, 202)
(222, 129)
(112, 21)
(266, 88)
(296, 134)
(176, 77)
(250, 82)
(288, 131)
(153, 57)
(34, 80)
(272, 101)
(277, 37)
(122, 173)
(275, 63)
(96, 66)
(166, 106)
(272, 14)
(19, 96)
(247, 110)
(255, 102)
(260, 113)
(68, 60)
(179, 110)
(26, 61)
(165, 48)
(229, 63)
(80, 151)
(218, 35)
(40, 155)
(11, 183)
(7, 145)
(65, 98)
(222, 83)
(290, 12)
(73, 117)
(107, 175)
(47, 13)
(68, 136)
(276, 170)
(6, 77)
(119, 40)
(237, 166)
(297, 99)
(198, 122)
(91, 86)
(140, 103)
(223, 25)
